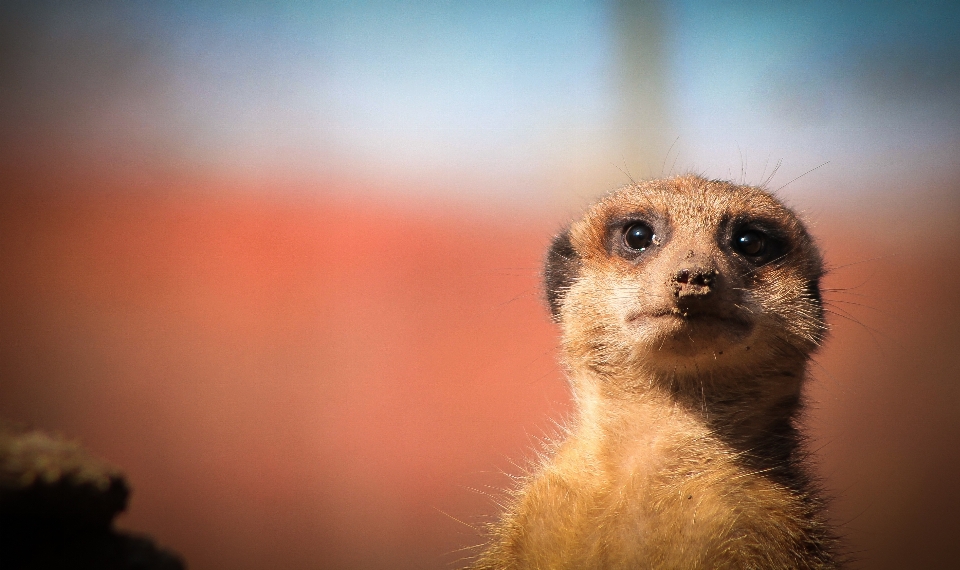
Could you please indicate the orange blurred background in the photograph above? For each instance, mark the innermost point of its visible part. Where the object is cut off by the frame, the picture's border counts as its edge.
(311, 330)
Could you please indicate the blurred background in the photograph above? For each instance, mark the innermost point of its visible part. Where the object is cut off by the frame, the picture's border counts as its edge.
(279, 261)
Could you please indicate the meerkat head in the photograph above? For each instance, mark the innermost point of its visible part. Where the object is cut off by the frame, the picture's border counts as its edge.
(686, 276)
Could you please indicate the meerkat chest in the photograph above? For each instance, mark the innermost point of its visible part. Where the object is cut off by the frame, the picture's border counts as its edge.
(663, 498)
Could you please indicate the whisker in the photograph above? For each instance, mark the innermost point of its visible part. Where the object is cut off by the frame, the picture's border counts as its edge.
(869, 330)
(625, 171)
(453, 518)
(768, 179)
(845, 265)
(666, 156)
(801, 176)
(865, 306)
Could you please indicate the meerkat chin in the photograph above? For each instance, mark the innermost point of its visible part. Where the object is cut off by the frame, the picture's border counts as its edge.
(689, 309)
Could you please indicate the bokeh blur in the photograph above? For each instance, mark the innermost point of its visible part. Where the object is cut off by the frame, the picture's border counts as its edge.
(279, 261)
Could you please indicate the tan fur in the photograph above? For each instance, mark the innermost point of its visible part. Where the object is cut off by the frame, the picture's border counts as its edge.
(683, 451)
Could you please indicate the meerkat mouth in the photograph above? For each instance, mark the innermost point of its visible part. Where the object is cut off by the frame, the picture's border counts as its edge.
(697, 326)
(692, 316)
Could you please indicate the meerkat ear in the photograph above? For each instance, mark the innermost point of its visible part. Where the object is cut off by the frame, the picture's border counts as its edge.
(561, 268)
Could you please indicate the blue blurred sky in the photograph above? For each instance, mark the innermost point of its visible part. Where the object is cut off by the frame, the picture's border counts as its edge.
(494, 101)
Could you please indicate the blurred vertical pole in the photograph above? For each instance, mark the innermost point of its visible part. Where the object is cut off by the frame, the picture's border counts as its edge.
(643, 125)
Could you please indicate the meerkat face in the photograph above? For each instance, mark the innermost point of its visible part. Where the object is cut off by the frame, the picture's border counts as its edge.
(686, 275)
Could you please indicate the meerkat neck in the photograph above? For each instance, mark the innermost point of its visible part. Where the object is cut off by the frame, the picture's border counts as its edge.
(751, 415)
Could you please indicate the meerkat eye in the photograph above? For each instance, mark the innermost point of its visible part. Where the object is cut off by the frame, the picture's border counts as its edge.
(638, 236)
(750, 242)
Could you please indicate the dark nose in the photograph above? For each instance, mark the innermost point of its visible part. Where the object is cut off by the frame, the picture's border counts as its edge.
(693, 288)
(694, 282)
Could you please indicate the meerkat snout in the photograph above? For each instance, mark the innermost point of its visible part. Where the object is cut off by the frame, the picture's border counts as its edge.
(694, 291)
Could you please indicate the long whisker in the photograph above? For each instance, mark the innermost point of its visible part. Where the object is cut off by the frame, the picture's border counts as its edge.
(802, 175)
(768, 179)
(666, 156)
(845, 265)
(854, 303)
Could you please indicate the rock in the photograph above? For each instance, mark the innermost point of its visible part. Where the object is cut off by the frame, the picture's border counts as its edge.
(57, 506)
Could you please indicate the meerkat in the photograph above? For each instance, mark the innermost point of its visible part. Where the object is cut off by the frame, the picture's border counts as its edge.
(689, 309)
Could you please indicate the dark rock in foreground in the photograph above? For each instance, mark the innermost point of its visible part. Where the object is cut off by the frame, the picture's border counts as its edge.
(57, 505)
